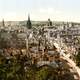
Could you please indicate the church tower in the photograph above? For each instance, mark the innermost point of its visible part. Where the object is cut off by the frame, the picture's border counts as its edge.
(29, 25)
(49, 22)
(3, 24)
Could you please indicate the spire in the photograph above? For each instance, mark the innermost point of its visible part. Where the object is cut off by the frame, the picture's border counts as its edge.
(29, 25)
(3, 23)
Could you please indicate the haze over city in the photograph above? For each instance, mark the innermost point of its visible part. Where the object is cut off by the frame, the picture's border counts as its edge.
(57, 10)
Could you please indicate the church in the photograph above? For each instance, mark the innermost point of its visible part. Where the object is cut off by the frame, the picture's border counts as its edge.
(29, 25)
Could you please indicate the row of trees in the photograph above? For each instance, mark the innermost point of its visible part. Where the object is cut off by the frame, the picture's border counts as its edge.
(14, 42)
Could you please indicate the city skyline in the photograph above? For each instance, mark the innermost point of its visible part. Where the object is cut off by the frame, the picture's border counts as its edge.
(56, 10)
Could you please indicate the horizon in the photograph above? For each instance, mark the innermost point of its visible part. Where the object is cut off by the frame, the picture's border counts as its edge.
(40, 10)
(41, 21)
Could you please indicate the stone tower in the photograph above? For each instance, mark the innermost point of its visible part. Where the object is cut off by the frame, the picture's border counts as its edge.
(49, 22)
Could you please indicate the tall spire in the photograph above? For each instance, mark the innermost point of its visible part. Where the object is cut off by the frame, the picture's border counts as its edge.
(29, 25)
(3, 23)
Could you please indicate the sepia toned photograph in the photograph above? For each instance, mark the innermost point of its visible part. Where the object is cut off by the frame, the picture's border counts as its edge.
(39, 39)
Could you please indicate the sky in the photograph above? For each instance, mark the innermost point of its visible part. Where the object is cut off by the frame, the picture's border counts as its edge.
(56, 10)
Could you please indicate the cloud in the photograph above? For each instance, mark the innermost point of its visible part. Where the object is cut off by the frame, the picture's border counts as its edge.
(49, 10)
